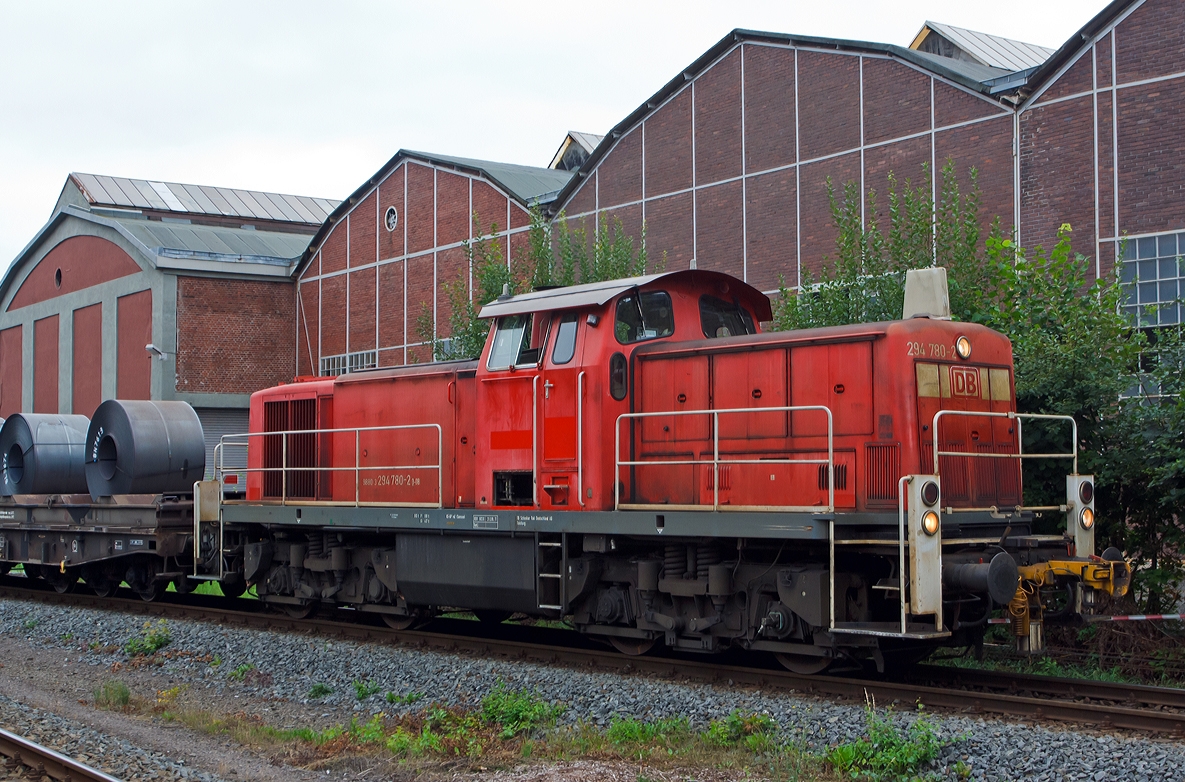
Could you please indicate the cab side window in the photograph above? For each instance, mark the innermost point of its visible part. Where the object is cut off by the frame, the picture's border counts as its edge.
(565, 340)
(643, 316)
(518, 342)
(720, 318)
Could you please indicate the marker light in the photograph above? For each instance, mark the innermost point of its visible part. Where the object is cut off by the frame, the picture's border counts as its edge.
(930, 492)
(1086, 491)
(930, 522)
(1086, 518)
(963, 348)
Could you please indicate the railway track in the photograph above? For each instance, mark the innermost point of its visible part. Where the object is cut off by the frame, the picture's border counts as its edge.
(20, 754)
(1104, 704)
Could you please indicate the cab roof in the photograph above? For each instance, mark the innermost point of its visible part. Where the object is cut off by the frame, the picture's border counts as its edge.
(598, 293)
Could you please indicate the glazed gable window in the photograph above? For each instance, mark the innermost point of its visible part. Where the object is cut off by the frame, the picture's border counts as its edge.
(643, 316)
(1153, 274)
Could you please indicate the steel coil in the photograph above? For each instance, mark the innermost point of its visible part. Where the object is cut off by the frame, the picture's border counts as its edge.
(43, 454)
(142, 447)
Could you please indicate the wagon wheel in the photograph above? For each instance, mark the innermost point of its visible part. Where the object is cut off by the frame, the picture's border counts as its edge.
(63, 583)
(104, 587)
(302, 611)
(492, 617)
(804, 664)
(634, 647)
(151, 592)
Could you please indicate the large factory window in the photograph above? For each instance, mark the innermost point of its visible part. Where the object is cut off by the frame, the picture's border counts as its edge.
(642, 316)
(1153, 272)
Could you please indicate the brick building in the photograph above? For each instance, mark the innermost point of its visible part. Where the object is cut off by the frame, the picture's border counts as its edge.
(727, 166)
(152, 290)
(376, 265)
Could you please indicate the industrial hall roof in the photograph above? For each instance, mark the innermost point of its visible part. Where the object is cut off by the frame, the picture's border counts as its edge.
(994, 51)
(526, 184)
(211, 230)
(202, 199)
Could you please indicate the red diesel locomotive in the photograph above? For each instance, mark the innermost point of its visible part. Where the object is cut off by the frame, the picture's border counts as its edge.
(633, 456)
(637, 456)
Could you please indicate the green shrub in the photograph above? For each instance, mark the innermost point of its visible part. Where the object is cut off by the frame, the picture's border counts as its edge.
(887, 753)
(629, 732)
(112, 694)
(364, 689)
(406, 700)
(517, 711)
(320, 690)
(739, 728)
(153, 637)
(238, 674)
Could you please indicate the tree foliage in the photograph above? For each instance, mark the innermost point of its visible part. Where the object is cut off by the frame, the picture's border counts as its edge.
(554, 256)
(1075, 353)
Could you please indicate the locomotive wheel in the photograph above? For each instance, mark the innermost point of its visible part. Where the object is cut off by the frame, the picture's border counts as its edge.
(233, 587)
(299, 611)
(634, 647)
(804, 664)
(492, 617)
(397, 622)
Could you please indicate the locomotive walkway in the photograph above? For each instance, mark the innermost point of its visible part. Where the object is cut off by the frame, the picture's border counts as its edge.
(1103, 704)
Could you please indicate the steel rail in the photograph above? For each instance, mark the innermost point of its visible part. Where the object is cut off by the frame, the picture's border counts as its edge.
(45, 761)
(885, 691)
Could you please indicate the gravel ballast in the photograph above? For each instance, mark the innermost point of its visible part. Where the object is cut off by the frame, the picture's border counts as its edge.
(274, 673)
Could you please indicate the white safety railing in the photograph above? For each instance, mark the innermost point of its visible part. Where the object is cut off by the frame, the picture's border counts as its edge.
(1020, 455)
(717, 462)
(244, 441)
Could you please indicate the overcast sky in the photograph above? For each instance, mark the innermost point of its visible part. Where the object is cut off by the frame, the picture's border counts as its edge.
(312, 98)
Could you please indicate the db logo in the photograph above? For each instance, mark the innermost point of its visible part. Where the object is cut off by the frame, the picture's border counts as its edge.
(964, 381)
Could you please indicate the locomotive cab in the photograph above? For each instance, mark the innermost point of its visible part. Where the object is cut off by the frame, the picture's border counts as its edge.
(555, 374)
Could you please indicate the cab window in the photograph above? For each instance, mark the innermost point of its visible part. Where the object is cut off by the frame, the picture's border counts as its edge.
(565, 340)
(720, 318)
(518, 341)
(642, 316)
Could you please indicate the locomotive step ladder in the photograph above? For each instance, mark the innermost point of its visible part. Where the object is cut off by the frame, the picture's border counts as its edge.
(551, 559)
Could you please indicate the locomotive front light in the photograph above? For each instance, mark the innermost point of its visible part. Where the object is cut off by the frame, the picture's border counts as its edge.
(930, 493)
(1086, 518)
(1086, 492)
(963, 348)
(930, 522)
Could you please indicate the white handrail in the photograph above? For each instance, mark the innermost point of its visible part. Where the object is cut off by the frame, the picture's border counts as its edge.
(716, 461)
(1020, 444)
(580, 437)
(243, 440)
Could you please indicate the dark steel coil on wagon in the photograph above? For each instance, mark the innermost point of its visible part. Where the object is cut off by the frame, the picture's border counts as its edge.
(142, 447)
(43, 453)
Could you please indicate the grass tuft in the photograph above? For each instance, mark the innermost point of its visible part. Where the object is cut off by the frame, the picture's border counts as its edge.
(153, 637)
(112, 694)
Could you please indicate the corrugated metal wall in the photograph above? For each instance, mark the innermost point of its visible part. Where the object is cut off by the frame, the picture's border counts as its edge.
(217, 422)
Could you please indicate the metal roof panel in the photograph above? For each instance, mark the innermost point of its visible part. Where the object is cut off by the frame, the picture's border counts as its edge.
(995, 51)
(218, 198)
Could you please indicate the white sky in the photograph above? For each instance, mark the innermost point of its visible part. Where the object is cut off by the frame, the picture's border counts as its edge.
(312, 98)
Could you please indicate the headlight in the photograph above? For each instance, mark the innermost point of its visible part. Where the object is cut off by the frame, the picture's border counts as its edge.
(1086, 518)
(963, 348)
(1086, 491)
(930, 522)
(930, 492)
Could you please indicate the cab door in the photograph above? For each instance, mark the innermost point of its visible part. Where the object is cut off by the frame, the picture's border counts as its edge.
(560, 459)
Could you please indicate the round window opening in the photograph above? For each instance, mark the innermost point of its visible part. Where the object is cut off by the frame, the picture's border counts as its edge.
(57, 278)
(392, 218)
